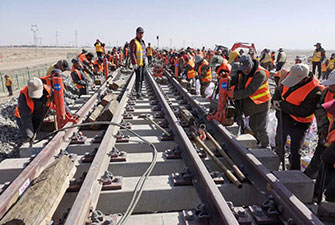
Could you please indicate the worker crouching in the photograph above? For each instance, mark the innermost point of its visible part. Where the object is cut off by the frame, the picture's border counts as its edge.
(78, 77)
(253, 93)
(33, 104)
(204, 72)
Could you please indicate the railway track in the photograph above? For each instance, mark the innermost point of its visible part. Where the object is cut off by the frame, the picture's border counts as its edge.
(161, 178)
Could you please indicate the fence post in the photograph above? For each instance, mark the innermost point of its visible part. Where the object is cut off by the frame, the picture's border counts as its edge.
(3, 86)
(18, 83)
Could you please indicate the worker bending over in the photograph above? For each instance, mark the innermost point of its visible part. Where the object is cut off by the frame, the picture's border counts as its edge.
(253, 92)
(78, 77)
(296, 100)
(33, 104)
(204, 72)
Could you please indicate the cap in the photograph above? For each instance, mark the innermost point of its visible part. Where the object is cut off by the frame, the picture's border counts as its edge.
(281, 50)
(139, 30)
(232, 56)
(245, 62)
(297, 73)
(83, 51)
(75, 60)
(66, 65)
(318, 44)
(6, 76)
(330, 80)
(198, 58)
(35, 87)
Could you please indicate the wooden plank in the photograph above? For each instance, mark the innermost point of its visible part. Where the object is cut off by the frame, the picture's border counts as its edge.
(40, 201)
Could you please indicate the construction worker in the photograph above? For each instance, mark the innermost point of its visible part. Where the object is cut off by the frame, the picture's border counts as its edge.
(204, 72)
(138, 59)
(9, 83)
(296, 100)
(266, 59)
(149, 53)
(99, 48)
(330, 66)
(234, 56)
(78, 77)
(281, 59)
(126, 55)
(318, 56)
(324, 120)
(32, 107)
(189, 69)
(273, 58)
(83, 52)
(253, 92)
(326, 175)
(62, 65)
(216, 60)
(179, 64)
(98, 66)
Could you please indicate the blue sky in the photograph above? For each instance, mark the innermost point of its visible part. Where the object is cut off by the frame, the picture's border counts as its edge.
(295, 24)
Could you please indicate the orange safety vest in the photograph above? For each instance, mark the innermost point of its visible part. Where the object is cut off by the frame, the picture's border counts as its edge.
(29, 101)
(224, 66)
(82, 57)
(298, 96)
(191, 72)
(176, 67)
(262, 95)
(329, 97)
(208, 77)
(80, 78)
(99, 65)
(324, 67)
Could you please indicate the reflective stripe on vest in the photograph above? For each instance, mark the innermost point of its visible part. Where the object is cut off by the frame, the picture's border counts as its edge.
(79, 76)
(190, 72)
(208, 77)
(298, 96)
(99, 48)
(316, 56)
(29, 101)
(139, 52)
(149, 51)
(331, 64)
(262, 95)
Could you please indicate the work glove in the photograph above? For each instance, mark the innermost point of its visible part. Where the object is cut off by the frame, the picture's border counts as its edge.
(276, 105)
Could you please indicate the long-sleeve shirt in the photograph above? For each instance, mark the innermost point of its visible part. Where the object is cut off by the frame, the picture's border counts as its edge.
(75, 78)
(132, 48)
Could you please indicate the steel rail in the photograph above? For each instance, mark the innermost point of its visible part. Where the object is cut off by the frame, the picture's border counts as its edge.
(208, 192)
(89, 192)
(46, 156)
(291, 208)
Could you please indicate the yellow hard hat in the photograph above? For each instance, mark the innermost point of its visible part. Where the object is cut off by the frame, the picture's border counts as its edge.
(232, 56)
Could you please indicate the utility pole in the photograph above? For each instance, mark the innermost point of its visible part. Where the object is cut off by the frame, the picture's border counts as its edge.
(57, 39)
(157, 41)
(34, 29)
(76, 38)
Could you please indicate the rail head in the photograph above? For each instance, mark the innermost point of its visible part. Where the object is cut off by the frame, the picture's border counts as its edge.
(46, 156)
(204, 184)
(263, 179)
(89, 192)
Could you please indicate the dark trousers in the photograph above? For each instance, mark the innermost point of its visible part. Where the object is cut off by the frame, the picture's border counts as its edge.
(313, 167)
(149, 59)
(297, 133)
(257, 123)
(83, 91)
(10, 91)
(326, 174)
(99, 54)
(314, 65)
(139, 79)
(280, 65)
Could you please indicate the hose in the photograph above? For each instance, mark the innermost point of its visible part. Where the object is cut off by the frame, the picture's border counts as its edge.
(141, 182)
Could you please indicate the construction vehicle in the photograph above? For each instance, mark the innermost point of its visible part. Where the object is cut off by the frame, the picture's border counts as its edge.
(250, 46)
